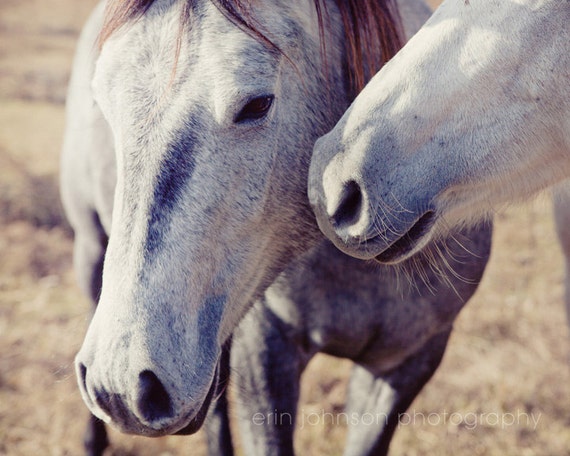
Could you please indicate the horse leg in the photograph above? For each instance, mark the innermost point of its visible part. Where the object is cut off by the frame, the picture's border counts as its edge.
(88, 253)
(217, 425)
(95, 438)
(383, 398)
(562, 218)
(267, 365)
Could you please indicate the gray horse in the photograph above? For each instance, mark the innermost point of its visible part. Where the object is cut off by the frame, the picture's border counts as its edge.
(473, 113)
(189, 153)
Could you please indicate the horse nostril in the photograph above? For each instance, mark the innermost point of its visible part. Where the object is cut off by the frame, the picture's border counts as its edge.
(83, 376)
(153, 401)
(349, 206)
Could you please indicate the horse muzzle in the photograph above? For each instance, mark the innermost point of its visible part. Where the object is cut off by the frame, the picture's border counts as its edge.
(150, 405)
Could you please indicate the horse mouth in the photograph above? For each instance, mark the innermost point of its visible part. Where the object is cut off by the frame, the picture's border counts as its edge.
(409, 242)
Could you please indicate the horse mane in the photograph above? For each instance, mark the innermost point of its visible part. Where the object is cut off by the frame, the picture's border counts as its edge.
(372, 27)
(374, 34)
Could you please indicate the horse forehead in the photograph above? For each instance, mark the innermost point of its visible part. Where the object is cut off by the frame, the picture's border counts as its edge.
(138, 54)
(154, 52)
(232, 48)
(219, 50)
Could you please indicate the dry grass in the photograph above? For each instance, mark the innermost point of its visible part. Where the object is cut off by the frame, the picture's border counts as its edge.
(508, 355)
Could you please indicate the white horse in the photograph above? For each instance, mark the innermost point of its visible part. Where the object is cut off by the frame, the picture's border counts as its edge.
(472, 113)
(190, 150)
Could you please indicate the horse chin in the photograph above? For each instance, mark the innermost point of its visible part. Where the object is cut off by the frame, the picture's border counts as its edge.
(219, 383)
(415, 239)
(196, 423)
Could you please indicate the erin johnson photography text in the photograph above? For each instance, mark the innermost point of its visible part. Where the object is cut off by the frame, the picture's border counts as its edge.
(467, 420)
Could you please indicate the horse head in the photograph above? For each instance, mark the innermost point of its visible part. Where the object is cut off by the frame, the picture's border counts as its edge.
(214, 113)
(470, 114)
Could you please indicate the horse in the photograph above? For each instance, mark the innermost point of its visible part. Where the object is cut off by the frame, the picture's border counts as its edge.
(184, 175)
(472, 113)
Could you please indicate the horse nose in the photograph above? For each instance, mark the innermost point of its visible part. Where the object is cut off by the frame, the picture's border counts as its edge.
(342, 212)
(348, 208)
(96, 399)
(153, 400)
(153, 404)
(337, 196)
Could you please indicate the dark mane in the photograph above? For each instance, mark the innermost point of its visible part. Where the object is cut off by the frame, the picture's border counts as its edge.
(374, 34)
(373, 28)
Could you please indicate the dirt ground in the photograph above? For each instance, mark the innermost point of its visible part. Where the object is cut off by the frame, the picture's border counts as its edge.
(503, 387)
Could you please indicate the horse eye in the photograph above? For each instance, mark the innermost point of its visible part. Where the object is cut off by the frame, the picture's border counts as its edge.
(255, 109)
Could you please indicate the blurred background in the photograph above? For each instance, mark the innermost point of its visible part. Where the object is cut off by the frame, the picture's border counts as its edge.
(503, 387)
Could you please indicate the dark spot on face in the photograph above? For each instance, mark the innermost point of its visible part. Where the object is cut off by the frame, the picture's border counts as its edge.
(176, 169)
(210, 316)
